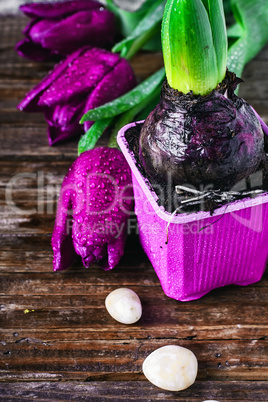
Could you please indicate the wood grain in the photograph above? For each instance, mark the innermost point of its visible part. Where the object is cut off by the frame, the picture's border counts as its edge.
(57, 341)
(97, 391)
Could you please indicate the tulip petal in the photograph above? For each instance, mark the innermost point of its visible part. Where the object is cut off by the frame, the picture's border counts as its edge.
(63, 251)
(29, 26)
(100, 229)
(114, 84)
(38, 30)
(88, 261)
(82, 243)
(63, 121)
(116, 250)
(57, 135)
(32, 49)
(26, 48)
(83, 251)
(31, 101)
(82, 74)
(58, 9)
(82, 28)
(100, 253)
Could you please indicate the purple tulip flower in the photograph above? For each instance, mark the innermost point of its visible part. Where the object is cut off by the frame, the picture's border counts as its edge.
(95, 202)
(86, 79)
(58, 29)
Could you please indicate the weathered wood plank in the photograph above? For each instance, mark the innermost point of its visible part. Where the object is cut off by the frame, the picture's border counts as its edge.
(96, 391)
(27, 172)
(229, 313)
(34, 224)
(11, 27)
(226, 360)
(216, 333)
(76, 318)
(155, 312)
(33, 144)
(82, 280)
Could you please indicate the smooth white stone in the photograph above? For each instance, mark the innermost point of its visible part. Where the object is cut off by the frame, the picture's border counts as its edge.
(124, 305)
(171, 367)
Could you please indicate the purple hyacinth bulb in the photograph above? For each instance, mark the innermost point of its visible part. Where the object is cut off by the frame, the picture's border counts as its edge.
(86, 79)
(214, 140)
(95, 202)
(58, 29)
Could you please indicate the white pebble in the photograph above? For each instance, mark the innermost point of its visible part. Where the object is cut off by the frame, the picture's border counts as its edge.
(124, 305)
(171, 367)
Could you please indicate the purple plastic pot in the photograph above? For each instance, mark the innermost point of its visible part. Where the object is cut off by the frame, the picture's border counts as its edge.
(203, 252)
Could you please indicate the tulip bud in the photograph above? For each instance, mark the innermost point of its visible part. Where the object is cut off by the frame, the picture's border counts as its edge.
(95, 202)
(58, 29)
(86, 79)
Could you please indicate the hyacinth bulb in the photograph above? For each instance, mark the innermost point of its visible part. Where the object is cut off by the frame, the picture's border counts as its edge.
(214, 140)
(200, 133)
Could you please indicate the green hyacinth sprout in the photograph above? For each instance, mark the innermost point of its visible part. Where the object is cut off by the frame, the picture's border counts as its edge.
(194, 42)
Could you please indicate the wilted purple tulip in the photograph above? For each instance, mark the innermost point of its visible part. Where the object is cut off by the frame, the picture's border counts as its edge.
(58, 29)
(95, 202)
(86, 79)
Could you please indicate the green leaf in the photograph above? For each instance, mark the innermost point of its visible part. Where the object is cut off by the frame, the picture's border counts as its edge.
(146, 28)
(143, 114)
(154, 44)
(128, 20)
(189, 40)
(90, 138)
(121, 121)
(227, 7)
(252, 16)
(111, 6)
(130, 115)
(127, 101)
(235, 31)
(146, 5)
(218, 27)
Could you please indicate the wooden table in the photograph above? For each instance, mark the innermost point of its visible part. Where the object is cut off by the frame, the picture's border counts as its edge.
(57, 340)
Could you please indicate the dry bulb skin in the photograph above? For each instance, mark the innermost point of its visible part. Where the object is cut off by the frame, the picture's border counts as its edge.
(214, 140)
